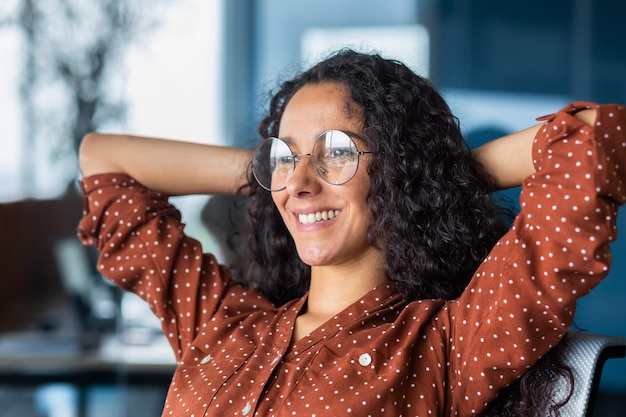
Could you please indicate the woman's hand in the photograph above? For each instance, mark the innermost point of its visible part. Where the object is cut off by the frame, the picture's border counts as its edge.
(509, 158)
(169, 166)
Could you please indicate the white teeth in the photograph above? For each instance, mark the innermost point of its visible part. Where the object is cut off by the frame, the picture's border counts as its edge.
(319, 216)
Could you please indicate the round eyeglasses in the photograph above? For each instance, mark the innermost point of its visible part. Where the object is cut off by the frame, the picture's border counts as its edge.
(335, 159)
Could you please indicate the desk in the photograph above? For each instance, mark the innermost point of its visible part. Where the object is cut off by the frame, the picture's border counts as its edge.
(82, 370)
(115, 363)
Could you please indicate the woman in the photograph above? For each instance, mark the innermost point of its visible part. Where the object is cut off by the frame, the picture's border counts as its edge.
(365, 291)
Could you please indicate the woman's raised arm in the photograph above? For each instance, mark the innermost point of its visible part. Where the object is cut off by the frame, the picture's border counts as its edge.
(509, 158)
(170, 166)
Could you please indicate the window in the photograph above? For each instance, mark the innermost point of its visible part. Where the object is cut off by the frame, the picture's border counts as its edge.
(160, 81)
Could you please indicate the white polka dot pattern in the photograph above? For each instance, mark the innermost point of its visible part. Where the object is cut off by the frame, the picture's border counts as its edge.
(381, 356)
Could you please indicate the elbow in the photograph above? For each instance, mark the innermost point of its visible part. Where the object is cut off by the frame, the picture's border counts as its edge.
(95, 154)
(86, 153)
(588, 116)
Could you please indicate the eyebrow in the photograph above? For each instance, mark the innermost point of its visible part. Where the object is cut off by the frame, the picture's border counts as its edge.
(290, 140)
(287, 139)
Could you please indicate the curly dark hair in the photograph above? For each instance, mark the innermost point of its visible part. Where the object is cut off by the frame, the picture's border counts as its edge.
(434, 218)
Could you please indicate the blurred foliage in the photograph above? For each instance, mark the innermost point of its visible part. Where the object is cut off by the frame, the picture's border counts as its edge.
(72, 64)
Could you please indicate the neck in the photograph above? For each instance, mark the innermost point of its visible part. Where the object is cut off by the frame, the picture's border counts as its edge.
(333, 289)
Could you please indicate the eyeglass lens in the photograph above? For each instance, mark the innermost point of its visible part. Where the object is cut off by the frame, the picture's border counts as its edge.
(335, 159)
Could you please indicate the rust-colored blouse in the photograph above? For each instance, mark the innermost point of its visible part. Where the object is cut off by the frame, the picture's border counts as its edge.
(382, 356)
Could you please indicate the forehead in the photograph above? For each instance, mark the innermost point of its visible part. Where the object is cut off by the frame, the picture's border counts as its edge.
(315, 108)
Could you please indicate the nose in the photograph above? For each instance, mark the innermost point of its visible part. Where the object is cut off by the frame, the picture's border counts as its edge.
(304, 180)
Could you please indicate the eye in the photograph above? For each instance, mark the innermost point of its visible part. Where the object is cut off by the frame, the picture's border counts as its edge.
(284, 159)
(340, 154)
(283, 162)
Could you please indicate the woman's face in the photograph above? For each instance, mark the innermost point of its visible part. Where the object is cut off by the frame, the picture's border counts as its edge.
(341, 239)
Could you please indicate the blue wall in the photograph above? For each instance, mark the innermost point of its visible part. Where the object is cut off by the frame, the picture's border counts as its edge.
(550, 52)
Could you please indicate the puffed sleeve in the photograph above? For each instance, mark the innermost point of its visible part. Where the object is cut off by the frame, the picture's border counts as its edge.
(143, 249)
(522, 299)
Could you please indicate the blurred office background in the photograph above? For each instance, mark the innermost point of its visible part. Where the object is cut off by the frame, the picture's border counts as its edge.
(201, 70)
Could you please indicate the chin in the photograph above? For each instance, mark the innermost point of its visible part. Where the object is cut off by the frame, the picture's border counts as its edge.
(313, 257)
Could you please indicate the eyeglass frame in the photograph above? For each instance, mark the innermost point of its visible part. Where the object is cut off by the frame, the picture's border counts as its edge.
(298, 158)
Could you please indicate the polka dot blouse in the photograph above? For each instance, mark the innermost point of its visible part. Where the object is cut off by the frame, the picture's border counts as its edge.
(381, 356)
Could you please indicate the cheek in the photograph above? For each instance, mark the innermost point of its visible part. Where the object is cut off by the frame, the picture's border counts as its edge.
(278, 198)
(366, 215)
(362, 183)
(365, 208)
(358, 201)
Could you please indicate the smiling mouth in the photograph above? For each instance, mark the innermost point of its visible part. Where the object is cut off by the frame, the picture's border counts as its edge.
(318, 216)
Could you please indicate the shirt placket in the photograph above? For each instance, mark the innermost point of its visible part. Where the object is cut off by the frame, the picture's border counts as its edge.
(268, 359)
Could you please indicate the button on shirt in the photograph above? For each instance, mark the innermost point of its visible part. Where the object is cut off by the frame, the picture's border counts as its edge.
(382, 356)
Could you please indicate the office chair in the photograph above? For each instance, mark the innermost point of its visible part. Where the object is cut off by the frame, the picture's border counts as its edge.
(586, 354)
